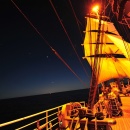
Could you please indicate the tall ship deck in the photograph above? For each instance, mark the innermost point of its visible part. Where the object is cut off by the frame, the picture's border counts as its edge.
(106, 50)
(123, 123)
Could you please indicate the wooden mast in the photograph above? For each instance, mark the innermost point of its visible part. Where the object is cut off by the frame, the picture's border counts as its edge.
(96, 67)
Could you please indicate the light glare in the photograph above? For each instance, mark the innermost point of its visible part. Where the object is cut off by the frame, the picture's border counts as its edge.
(95, 8)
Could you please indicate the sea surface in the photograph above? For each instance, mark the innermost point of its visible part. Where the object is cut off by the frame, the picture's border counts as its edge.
(14, 108)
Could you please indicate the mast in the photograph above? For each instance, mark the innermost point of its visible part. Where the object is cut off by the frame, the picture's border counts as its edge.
(96, 67)
(105, 52)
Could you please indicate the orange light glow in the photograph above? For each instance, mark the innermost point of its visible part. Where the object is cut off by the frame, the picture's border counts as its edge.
(95, 9)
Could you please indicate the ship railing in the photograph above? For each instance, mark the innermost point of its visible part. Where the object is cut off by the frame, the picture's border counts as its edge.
(49, 120)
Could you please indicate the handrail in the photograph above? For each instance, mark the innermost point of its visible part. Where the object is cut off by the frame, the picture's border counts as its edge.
(47, 122)
(26, 125)
(27, 117)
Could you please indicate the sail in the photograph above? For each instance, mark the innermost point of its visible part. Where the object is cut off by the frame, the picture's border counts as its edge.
(113, 59)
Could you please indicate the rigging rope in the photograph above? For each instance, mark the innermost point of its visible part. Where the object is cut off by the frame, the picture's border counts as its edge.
(124, 29)
(77, 21)
(68, 36)
(55, 52)
(67, 66)
(96, 66)
(95, 71)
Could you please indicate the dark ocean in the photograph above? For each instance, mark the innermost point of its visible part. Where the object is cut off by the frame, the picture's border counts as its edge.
(14, 108)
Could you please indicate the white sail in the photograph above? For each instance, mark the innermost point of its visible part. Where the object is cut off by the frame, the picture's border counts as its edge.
(113, 59)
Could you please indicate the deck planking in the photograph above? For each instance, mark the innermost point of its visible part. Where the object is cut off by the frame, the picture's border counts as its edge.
(123, 123)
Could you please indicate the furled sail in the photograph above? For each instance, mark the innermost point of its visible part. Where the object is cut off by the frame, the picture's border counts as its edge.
(113, 57)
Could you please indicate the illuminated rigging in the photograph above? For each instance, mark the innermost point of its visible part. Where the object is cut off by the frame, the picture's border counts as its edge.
(47, 43)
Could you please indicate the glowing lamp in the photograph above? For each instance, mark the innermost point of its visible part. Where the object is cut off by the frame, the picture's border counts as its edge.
(95, 9)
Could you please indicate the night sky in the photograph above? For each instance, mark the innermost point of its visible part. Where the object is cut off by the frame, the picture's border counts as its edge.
(28, 66)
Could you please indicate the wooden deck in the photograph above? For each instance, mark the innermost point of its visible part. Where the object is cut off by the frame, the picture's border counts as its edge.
(118, 123)
(123, 123)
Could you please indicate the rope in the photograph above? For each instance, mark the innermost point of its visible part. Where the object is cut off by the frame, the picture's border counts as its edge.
(76, 18)
(68, 36)
(56, 53)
